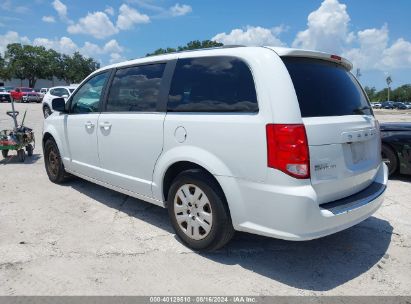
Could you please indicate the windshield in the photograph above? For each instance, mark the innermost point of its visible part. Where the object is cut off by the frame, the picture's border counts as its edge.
(325, 88)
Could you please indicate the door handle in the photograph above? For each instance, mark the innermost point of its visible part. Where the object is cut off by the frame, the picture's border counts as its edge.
(89, 125)
(105, 125)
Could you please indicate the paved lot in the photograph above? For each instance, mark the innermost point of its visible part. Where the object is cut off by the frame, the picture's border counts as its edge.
(83, 239)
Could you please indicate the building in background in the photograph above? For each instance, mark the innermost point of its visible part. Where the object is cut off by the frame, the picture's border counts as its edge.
(41, 83)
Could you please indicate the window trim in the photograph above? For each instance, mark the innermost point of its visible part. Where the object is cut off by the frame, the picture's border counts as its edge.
(216, 112)
(164, 87)
(102, 96)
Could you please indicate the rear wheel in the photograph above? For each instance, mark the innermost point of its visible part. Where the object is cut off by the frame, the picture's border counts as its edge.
(29, 149)
(21, 154)
(54, 165)
(198, 211)
(5, 153)
(387, 153)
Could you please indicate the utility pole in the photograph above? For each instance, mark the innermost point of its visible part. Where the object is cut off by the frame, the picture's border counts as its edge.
(389, 81)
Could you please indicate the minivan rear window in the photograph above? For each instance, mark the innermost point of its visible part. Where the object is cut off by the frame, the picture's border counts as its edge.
(212, 84)
(325, 88)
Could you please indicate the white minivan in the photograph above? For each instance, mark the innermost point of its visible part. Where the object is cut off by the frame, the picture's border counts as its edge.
(273, 141)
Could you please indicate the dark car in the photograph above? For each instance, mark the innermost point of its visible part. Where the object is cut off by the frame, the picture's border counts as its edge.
(387, 105)
(396, 146)
(400, 106)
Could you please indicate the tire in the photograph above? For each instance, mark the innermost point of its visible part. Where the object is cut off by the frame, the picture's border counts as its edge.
(207, 227)
(389, 154)
(5, 153)
(46, 111)
(21, 154)
(53, 163)
(29, 149)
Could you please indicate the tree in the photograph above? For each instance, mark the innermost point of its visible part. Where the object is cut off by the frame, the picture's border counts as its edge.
(370, 92)
(36, 62)
(53, 67)
(358, 73)
(389, 81)
(73, 69)
(14, 61)
(192, 45)
(27, 62)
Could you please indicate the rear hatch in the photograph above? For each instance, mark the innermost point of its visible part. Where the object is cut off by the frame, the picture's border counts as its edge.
(342, 134)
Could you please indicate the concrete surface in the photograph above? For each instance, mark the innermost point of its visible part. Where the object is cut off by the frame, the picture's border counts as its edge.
(82, 239)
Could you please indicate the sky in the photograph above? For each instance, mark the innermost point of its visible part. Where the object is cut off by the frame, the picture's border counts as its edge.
(375, 35)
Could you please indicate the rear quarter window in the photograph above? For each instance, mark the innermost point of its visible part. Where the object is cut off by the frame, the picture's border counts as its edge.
(325, 88)
(212, 84)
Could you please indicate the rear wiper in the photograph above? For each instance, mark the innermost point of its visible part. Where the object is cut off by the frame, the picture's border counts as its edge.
(360, 110)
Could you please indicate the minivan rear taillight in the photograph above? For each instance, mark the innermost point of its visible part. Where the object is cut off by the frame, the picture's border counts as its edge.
(287, 149)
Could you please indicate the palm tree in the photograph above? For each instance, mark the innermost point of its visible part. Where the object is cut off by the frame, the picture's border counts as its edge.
(388, 80)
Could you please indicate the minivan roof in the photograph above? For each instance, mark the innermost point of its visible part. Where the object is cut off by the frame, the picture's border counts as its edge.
(281, 51)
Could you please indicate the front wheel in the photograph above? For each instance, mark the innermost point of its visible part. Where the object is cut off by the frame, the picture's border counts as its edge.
(46, 111)
(198, 211)
(5, 153)
(54, 164)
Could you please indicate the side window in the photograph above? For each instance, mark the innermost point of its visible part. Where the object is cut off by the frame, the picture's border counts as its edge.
(87, 98)
(212, 84)
(136, 89)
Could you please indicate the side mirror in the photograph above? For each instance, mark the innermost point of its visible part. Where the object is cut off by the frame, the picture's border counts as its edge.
(58, 104)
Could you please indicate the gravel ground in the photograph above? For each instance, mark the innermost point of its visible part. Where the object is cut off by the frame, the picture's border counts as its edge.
(82, 239)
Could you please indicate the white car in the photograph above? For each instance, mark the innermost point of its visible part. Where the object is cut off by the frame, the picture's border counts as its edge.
(4, 95)
(42, 92)
(273, 141)
(55, 92)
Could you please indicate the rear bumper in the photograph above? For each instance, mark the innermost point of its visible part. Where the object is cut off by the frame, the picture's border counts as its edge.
(293, 213)
(31, 98)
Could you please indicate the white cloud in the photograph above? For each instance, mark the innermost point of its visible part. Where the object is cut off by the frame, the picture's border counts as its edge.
(11, 37)
(67, 46)
(116, 57)
(61, 9)
(129, 16)
(8, 5)
(99, 25)
(96, 24)
(180, 10)
(252, 35)
(371, 43)
(48, 19)
(112, 47)
(327, 28)
(398, 55)
(63, 45)
(109, 10)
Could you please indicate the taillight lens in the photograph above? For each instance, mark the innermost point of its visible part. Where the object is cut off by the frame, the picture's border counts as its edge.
(287, 149)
